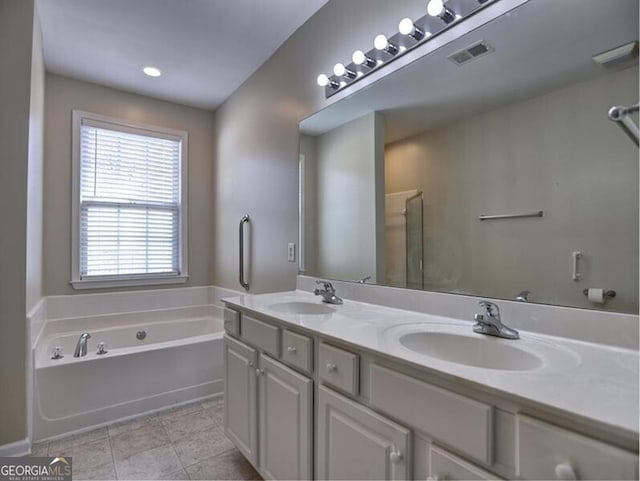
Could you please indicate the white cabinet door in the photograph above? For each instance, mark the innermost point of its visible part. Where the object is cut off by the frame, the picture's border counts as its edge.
(286, 414)
(356, 443)
(240, 397)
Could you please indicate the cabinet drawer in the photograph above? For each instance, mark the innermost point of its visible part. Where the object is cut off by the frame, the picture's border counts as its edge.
(457, 421)
(262, 335)
(297, 350)
(546, 451)
(232, 322)
(338, 368)
(444, 465)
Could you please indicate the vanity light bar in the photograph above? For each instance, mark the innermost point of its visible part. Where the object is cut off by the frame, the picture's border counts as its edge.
(439, 17)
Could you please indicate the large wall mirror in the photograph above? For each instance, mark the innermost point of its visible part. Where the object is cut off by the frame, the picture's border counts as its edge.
(500, 177)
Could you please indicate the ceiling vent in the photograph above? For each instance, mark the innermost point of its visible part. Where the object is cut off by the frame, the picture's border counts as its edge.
(619, 57)
(473, 52)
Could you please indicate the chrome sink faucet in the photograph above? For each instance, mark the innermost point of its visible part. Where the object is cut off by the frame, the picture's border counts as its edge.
(81, 346)
(489, 322)
(328, 293)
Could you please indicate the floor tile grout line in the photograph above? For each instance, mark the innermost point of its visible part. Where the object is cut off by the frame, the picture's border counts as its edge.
(174, 449)
(113, 457)
(211, 457)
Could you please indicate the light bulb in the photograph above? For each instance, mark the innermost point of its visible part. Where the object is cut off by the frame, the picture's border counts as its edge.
(152, 71)
(358, 57)
(323, 80)
(339, 69)
(380, 42)
(405, 27)
(435, 7)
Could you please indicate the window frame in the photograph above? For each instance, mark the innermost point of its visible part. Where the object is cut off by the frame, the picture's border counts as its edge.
(126, 280)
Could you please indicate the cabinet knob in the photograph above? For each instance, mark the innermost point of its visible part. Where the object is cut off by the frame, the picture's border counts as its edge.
(250, 363)
(395, 457)
(331, 367)
(292, 350)
(565, 472)
(259, 372)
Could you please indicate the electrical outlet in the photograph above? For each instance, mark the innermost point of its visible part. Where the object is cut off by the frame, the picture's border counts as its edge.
(291, 252)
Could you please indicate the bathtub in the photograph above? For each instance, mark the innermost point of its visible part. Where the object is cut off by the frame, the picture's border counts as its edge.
(179, 359)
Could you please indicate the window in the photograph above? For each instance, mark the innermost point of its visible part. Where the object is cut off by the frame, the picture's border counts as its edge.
(129, 203)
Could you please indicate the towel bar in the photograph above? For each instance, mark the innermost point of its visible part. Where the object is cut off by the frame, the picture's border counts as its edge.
(538, 213)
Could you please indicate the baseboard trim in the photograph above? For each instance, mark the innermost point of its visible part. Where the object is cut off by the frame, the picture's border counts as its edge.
(19, 448)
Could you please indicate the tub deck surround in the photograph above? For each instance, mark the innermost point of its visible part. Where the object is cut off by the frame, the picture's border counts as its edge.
(179, 360)
(592, 383)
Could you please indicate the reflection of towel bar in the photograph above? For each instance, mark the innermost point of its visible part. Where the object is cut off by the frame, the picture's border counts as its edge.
(538, 213)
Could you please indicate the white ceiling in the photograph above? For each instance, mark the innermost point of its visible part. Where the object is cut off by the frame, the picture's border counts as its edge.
(205, 48)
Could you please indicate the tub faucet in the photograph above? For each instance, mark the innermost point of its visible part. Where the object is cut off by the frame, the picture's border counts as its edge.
(328, 293)
(81, 346)
(488, 322)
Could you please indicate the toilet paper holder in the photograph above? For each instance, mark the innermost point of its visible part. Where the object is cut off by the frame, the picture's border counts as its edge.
(607, 294)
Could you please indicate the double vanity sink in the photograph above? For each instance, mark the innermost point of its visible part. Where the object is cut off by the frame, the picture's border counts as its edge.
(454, 343)
(441, 400)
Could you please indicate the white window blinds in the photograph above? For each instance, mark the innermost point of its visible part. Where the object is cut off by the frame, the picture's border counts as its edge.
(130, 212)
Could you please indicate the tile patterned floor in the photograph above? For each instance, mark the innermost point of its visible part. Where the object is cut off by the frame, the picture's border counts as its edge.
(181, 443)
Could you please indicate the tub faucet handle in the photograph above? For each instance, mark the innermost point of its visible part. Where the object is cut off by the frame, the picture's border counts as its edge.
(56, 353)
(102, 348)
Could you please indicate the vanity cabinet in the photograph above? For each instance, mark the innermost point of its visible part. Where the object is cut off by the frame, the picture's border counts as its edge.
(546, 451)
(268, 406)
(300, 405)
(355, 442)
(285, 419)
(241, 397)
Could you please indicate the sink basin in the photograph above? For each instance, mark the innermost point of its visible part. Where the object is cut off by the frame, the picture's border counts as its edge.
(488, 353)
(301, 308)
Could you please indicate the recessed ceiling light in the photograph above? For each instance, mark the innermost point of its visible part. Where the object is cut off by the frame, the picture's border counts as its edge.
(152, 71)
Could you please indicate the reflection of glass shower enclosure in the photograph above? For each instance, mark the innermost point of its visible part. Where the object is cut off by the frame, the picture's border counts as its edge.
(403, 236)
(414, 243)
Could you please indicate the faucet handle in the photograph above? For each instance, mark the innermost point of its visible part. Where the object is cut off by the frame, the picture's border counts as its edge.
(56, 353)
(491, 309)
(327, 286)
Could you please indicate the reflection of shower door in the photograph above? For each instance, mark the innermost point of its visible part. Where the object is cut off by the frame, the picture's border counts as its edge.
(414, 246)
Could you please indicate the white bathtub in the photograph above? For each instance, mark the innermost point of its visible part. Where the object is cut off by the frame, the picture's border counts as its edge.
(179, 360)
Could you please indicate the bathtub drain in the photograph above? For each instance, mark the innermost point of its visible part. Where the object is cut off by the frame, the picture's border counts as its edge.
(140, 335)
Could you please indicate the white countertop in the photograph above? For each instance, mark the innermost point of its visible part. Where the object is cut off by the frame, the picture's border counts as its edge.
(592, 381)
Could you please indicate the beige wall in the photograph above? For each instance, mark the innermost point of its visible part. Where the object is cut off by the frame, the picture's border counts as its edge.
(349, 184)
(64, 95)
(35, 219)
(16, 32)
(557, 152)
(35, 171)
(256, 135)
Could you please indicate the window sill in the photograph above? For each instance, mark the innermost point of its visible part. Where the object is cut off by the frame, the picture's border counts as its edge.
(127, 282)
